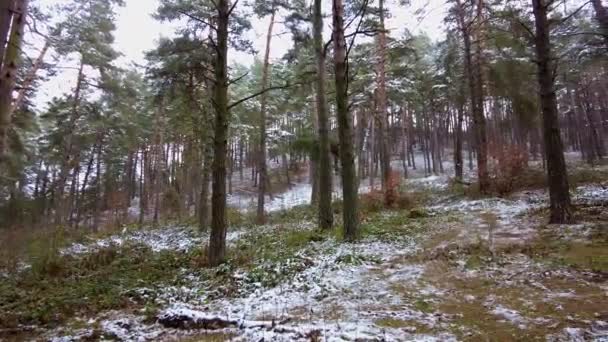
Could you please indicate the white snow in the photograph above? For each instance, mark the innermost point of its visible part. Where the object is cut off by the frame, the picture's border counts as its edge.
(510, 315)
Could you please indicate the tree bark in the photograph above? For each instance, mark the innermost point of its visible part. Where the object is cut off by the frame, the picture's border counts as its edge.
(143, 184)
(260, 218)
(458, 163)
(474, 76)
(559, 195)
(29, 77)
(7, 7)
(601, 14)
(8, 74)
(67, 150)
(383, 129)
(98, 202)
(479, 119)
(203, 209)
(217, 240)
(349, 180)
(326, 218)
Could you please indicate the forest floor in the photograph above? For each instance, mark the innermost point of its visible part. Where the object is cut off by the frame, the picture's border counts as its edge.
(446, 266)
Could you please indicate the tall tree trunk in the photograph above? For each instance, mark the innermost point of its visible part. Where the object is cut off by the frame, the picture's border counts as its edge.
(474, 76)
(29, 77)
(98, 202)
(559, 195)
(143, 185)
(263, 173)
(326, 218)
(217, 240)
(203, 209)
(383, 129)
(458, 163)
(8, 73)
(7, 8)
(371, 151)
(347, 157)
(479, 120)
(314, 163)
(67, 150)
(601, 14)
(404, 138)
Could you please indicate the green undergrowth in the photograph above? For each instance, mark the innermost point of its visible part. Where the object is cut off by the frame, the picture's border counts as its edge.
(38, 245)
(399, 224)
(66, 286)
(56, 288)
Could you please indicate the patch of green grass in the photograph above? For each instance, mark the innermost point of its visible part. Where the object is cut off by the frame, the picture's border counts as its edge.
(390, 322)
(397, 323)
(401, 224)
(423, 305)
(586, 254)
(295, 214)
(357, 259)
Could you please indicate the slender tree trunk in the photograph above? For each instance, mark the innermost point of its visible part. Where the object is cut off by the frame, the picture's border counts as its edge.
(474, 76)
(360, 129)
(85, 181)
(601, 14)
(67, 151)
(372, 152)
(30, 77)
(559, 195)
(349, 177)
(73, 194)
(217, 240)
(326, 218)
(143, 192)
(8, 75)
(241, 165)
(98, 202)
(404, 138)
(313, 169)
(7, 7)
(383, 129)
(458, 163)
(479, 120)
(260, 218)
(203, 209)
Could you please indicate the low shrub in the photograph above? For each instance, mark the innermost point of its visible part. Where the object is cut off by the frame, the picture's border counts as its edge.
(507, 162)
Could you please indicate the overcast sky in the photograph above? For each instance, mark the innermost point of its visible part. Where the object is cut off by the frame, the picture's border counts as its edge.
(138, 32)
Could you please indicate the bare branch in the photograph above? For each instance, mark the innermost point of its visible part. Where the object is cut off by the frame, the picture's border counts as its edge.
(202, 21)
(575, 12)
(238, 102)
(233, 7)
(238, 78)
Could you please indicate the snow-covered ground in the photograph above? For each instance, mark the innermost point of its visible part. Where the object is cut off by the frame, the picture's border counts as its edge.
(368, 290)
(407, 288)
(342, 292)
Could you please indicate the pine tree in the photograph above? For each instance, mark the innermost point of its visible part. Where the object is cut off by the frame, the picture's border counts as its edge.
(347, 158)
(557, 176)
